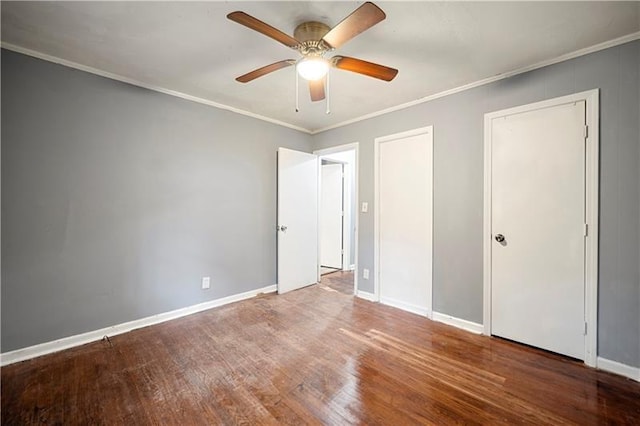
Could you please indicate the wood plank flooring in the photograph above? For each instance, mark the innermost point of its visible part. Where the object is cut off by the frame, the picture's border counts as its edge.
(312, 356)
(341, 281)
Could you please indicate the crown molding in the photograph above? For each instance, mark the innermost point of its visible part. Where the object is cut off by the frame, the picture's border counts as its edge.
(595, 48)
(587, 50)
(123, 79)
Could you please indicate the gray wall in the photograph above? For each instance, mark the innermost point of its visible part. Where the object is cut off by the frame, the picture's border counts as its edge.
(116, 201)
(458, 185)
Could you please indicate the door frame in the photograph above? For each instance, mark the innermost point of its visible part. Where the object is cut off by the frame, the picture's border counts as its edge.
(355, 187)
(592, 158)
(376, 217)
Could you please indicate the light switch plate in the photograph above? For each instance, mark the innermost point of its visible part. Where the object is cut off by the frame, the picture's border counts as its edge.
(365, 207)
(206, 283)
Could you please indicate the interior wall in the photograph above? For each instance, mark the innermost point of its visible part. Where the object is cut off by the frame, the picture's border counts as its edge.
(117, 200)
(458, 185)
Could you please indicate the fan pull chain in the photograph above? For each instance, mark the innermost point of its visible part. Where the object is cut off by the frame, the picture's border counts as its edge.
(328, 94)
(297, 104)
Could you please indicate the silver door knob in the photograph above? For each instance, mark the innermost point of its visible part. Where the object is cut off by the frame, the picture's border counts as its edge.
(499, 238)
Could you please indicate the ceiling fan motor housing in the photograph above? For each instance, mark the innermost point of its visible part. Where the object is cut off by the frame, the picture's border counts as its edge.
(310, 34)
(310, 31)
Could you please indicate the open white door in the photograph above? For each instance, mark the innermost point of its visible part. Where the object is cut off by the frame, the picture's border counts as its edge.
(297, 219)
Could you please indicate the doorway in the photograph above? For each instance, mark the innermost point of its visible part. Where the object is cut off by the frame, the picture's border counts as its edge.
(338, 219)
(541, 185)
(331, 216)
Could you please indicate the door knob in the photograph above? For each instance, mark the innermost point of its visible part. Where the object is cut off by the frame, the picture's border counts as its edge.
(282, 228)
(499, 238)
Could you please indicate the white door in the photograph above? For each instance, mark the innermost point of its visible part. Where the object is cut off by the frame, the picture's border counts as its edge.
(538, 216)
(331, 215)
(404, 220)
(297, 219)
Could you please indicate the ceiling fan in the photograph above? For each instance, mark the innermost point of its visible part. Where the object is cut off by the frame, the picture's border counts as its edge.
(313, 40)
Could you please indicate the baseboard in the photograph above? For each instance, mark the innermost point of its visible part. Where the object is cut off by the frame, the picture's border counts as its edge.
(366, 296)
(92, 336)
(409, 307)
(618, 368)
(459, 323)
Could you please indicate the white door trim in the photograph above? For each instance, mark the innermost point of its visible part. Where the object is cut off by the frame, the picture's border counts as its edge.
(376, 217)
(341, 148)
(591, 97)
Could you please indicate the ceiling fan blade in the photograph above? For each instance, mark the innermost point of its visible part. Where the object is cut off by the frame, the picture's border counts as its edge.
(363, 67)
(263, 28)
(316, 87)
(265, 70)
(363, 18)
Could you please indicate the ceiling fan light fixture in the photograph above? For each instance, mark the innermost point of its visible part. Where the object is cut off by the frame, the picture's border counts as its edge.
(312, 69)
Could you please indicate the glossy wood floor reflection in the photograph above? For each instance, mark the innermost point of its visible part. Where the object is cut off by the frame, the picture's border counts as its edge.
(339, 281)
(313, 356)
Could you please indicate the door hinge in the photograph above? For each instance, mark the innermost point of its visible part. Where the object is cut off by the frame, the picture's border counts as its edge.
(585, 328)
(586, 132)
(586, 230)
(342, 213)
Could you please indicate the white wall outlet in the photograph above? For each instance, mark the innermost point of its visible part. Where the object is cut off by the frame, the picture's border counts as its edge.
(365, 207)
(206, 282)
(365, 274)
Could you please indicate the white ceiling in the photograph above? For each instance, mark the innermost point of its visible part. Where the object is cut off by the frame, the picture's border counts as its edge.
(193, 49)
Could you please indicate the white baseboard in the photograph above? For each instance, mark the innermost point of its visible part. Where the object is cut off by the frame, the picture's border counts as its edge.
(409, 307)
(91, 336)
(367, 296)
(618, 368)
(457, 322)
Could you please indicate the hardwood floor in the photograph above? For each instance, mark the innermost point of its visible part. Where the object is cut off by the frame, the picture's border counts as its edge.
(339, 281)
(311, 356)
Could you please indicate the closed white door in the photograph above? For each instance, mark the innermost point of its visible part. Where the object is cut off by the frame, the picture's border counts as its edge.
(404, 220)
(538, 216)
(331, 215)
(297, 219)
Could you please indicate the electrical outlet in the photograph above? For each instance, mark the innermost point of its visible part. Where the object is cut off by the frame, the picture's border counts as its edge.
(206, 282)
(365, 274)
